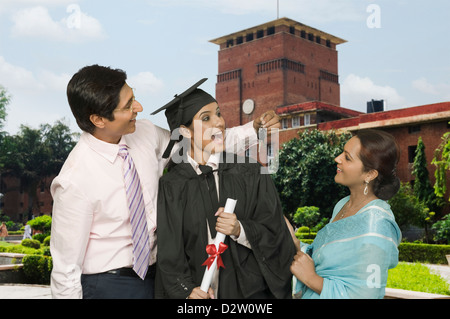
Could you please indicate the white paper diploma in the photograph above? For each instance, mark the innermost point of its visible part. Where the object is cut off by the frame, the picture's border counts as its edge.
(209, 272)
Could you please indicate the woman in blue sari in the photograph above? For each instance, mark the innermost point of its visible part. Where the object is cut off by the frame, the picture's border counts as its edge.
(350, 257)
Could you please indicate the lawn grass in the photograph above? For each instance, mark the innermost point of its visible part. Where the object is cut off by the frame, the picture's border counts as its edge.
(417, 277)
(17, 248)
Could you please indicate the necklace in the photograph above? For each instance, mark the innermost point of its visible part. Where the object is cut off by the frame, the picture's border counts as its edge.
(344, 209)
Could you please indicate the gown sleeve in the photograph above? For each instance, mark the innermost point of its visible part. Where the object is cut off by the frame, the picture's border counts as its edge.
(270, 238)
(173, 275)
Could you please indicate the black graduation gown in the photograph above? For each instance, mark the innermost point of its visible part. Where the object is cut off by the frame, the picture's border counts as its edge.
(183, 205)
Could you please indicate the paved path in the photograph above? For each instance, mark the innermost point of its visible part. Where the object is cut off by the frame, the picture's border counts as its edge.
(16, 291)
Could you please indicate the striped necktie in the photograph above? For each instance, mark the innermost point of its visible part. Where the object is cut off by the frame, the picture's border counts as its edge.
(138, 219)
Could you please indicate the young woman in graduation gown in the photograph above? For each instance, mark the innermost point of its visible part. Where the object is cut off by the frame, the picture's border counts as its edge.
(350, 257)
(260, 249)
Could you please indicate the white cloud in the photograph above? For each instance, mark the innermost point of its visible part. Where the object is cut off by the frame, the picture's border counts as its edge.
(36, 97)
(441, 89)
(146, 82)
(76, 27)
(12, 76)
(357, 91)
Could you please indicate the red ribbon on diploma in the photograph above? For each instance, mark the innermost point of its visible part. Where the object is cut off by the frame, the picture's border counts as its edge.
(213, 253)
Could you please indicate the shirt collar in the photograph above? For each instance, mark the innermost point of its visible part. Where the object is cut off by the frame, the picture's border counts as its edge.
(107, 150)
(213, 161)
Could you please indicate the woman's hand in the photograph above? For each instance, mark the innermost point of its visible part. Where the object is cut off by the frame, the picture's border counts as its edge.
(227, 223)
(304, 269)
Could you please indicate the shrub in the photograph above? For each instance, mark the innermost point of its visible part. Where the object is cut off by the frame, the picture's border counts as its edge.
(32, 243)
(37, 269)
(302, 236)
(307, 216)
(303, 229)
(42, 224)
(323, 222)
(40, 237)
(433, 254)
(442, 229)
(46, 241)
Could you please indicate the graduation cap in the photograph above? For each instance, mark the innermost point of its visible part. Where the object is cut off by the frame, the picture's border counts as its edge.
(182, 109)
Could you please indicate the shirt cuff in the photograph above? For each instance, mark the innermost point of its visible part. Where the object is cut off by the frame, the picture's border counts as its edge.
(242, 239)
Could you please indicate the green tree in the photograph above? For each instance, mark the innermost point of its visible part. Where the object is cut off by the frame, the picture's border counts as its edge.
(442, 162)
(33, 155)
(5, 98)
(307, 216)
(305, 176)
(422, 185)
(409, 210)
(4, 101)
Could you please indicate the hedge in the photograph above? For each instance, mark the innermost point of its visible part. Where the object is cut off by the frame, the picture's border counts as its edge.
(425, 253)
(410, 252)
(37, 269)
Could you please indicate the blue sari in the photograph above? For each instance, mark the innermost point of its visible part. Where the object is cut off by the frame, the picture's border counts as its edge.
(353, 255)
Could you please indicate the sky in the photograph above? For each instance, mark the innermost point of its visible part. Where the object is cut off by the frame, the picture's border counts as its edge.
(397, 50)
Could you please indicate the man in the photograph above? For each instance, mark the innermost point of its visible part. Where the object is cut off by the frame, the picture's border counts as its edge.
(93, 235)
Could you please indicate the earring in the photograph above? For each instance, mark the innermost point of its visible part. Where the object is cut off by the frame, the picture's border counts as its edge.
(366, 189)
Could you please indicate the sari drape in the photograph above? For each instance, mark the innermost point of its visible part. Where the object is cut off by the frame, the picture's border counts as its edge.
(353, 255)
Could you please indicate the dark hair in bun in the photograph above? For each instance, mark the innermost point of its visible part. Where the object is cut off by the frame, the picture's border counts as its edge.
(380, 152)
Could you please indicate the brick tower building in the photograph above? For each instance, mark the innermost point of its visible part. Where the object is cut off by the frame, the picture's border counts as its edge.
(275, 64)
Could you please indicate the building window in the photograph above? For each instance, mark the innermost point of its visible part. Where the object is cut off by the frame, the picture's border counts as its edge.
(269, 150)
(280, 64)
(327, 76)
(414, 129)
(329, 43)
(307, 119)
(292, 30)
(296, 121)
(227, 76)
(270, 30)
(259, 34)
(318, 39)
(239, 40)
(303, 34)
(284, 124)
(310, 37)
(411, 153)
(230, 43)
(249, 37)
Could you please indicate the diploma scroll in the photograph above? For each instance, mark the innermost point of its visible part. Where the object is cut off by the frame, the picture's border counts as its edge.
(219, 248)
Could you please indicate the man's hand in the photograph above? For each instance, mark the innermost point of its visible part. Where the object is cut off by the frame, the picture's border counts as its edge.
(269, 120)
